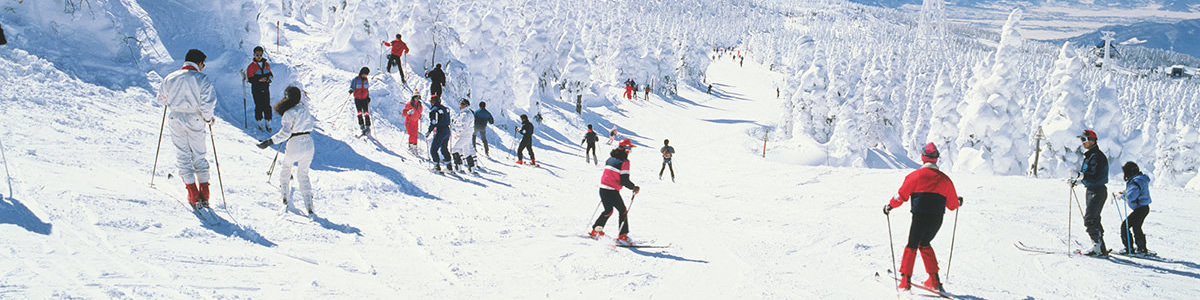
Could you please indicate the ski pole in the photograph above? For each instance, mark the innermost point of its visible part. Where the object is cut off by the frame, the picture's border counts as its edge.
(213, 138)
(953, 234)
(245, 121)
(627, 210)
(595, 210)
(892, 247)
(7, 175)
(272, 169)
(1126, 236)
(1069, 218)
(158, 148)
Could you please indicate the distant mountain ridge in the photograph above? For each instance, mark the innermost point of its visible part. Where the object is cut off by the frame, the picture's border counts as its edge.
(1182, 37)
(1171, 5)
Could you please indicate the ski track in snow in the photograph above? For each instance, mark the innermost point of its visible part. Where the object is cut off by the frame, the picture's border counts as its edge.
(83, 222)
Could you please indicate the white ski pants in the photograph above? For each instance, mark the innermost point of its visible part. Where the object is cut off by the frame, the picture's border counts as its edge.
(188, 136)
(299, 152)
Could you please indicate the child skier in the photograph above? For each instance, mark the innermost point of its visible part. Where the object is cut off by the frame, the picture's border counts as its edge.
(359, 88)
(931, 192)
(412, 121)
(615, 176)
(1137, 195)
(296, 124)
(590, 139)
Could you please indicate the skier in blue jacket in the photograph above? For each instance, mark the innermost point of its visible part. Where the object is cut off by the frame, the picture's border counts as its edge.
(1137, 196)
(439, 124)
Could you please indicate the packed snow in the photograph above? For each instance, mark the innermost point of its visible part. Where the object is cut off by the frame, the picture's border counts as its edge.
(781, 170)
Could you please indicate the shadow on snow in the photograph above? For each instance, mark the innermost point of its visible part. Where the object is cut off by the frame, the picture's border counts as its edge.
(16, 213)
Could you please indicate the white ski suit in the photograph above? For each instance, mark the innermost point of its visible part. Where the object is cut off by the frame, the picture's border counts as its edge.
(295, 128)
(190, 100)
(464, 126)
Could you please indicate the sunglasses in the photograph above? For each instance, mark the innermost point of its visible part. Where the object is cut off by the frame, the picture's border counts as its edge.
(257, 54)
(1083, 139)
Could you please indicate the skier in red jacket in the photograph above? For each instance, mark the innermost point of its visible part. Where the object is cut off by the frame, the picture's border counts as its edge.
(931, 192)
(399, 48)
(412, 120)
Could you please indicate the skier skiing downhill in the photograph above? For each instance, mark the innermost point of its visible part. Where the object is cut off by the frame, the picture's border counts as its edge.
(482, 119)
(360, 89)
(189, 96)
(1137, 196)
(526, 131)
(399, 48)
(612, 135)
(258, 73)
(590, 140)
(615, 176)
(439, 125)
(464, 126)
(931, 193)
(437, 80)
(296, 124)
(1094, 172)
(629, 88)
(667, 152)
(412, 121)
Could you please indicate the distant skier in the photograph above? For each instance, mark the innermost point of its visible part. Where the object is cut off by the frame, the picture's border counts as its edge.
(931, 192)
(482, 119)
(590, 140)
(258, 73)
(667, 152)
(412, 121)
(615, 176)
(464, 125)
(1094, 174)
(437, 80)
(526, 131)
(612, 135)
(360, 89)
(1137, 196)
(295, 126)
(647, 92)
(399, 48)
(629, 87)
(439, 125)
(189, 96)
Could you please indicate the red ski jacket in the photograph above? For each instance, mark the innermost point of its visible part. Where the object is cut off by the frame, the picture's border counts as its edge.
(930, 191)
(398, 47)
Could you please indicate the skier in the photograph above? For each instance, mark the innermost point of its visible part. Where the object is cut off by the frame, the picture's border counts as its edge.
(612, 135)
(189, 96)
(590, 139)
(1094, 174)
(439, 122)
(399, 48)
(1137, 195)
(359, 88)
(295, 126)
(629, 87)
(437, 80)
(464, 125)
(647, 92)
(412, 121)
(667, 152)
(482, 119)
(615, 176)
(258, 73)
(526, 131)
(931, 192)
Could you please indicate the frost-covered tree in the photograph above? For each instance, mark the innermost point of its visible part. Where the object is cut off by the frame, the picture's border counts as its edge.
(991, 134)
(943, 120)
(1064, 119)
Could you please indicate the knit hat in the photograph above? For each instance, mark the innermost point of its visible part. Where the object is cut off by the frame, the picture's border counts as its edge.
(1088, 135)
(195, 56)
(626, 144)
(930, 154)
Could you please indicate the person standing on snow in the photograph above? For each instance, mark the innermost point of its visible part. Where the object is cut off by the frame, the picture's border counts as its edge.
(360, 89)
(258, 73)
(412, 121)
(612, 135)
(437, 80)
(931, 193)
(189, 96)
(464, 125)
(590, 139)
(482, 119)
(615, 176)
(667, 152)
(295, 126)
(1137, 196)
(399, 48)
(629, 87)
(526, 132)
(1094, 174)
(439, 125)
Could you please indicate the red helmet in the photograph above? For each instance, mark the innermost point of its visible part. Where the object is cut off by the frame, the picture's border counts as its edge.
(626, 144)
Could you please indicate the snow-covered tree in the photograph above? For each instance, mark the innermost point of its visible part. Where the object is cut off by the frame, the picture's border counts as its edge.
(943, 120)
(991, 134)
(1064, 119)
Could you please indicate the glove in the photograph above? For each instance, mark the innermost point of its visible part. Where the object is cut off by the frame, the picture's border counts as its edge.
(887, 209)
(960, 201)
(1072, 181)
(263, 144)
(636, 189)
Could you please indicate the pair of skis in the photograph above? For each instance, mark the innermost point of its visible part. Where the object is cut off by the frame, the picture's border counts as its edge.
(1040, 250)
(626, 246)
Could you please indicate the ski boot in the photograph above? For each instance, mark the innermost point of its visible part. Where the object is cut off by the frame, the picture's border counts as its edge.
(1097, 250)
(905, 282)
(623, 240)
(597, 232)
(204, 195)
(193, 195)
(934, 283)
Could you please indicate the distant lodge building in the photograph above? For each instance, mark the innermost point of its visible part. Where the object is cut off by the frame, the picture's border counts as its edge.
(1180, 71)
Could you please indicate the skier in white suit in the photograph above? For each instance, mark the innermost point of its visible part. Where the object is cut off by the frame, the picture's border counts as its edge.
(295, 128)
(464, 126)
(189, 96)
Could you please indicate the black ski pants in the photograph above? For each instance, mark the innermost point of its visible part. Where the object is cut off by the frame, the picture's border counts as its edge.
(364, 115)
(612, 200)
(1091, 216)
(262, 100)
(526, 143)
(394, 60)
(591, 150)
(1134, 223)
(924, 227)
(667, 164)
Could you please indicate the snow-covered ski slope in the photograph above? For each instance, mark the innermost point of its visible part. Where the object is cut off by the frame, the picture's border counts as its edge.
(81, 220)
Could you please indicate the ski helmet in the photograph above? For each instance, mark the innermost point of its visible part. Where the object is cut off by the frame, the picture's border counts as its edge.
(930, 154)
